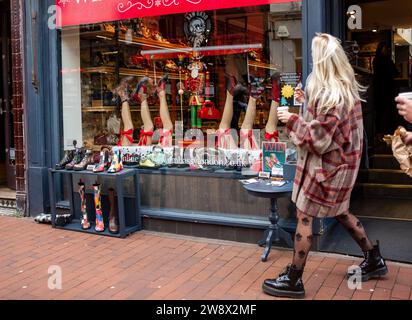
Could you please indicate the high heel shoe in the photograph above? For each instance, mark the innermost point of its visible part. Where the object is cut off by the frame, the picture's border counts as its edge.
(161, 85)
(143, 89)
(68, 157)
(122, 91)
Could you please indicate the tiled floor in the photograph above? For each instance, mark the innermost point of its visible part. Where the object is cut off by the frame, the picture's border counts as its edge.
(150, 265)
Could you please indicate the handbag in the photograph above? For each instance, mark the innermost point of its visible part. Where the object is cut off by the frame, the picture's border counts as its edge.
(401, 151)
(208, 111)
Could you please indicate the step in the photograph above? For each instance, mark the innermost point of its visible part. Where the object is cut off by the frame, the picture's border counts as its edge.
(384, 176)
(384, 191)
(383, 161)
(382, 208)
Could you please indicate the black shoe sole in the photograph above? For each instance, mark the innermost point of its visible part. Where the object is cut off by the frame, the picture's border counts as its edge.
(371, 275)
(282, 293)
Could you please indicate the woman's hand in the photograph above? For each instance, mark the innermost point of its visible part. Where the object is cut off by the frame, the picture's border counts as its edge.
(299, 95)
(404, 108)
(284, 116)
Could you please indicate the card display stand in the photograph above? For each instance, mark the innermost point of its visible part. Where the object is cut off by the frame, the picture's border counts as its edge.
(128, 206)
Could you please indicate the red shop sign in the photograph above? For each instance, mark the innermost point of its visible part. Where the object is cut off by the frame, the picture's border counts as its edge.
(76, 12)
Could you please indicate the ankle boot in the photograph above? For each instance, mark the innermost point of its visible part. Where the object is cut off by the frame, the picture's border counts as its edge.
(117, 164)
(372, 266)
(98, 205)
(84, 219)
(113, 216)
(68, 157)
(289, 284)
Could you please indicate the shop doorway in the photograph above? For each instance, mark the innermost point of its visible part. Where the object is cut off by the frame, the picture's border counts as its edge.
(7, 157)
(381, 54)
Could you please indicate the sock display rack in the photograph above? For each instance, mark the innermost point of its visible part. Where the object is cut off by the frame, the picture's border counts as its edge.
(99, 202)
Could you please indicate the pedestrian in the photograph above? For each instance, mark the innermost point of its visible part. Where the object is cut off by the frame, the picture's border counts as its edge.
(329, 138)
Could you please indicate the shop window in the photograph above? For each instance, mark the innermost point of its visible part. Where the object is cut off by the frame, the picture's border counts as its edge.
(181, 82)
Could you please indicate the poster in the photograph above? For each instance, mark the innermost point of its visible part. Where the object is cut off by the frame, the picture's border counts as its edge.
(288, 83)
(274, 157)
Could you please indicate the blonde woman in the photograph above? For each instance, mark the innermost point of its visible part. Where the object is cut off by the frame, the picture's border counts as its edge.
(329, 138)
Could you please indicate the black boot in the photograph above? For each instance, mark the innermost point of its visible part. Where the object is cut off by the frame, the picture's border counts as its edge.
(289, 284)
(373, 266)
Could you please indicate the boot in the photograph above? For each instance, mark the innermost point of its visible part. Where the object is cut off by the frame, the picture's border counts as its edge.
(87, 159)
(113, 216)
(78, 157)
(289, 284)
(373, 266)
(117, 164)
(103, 163)
(84, 220)
(98, 205)
(68, 157)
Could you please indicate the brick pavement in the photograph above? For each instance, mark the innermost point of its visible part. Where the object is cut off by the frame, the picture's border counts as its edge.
(150, 265)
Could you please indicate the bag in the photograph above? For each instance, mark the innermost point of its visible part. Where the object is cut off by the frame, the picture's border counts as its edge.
(208, 111)
(402, 152)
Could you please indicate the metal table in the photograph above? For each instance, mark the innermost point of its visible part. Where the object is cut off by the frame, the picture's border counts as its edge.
(264, 189)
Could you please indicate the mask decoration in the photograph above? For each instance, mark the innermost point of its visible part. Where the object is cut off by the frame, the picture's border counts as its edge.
(197, 27)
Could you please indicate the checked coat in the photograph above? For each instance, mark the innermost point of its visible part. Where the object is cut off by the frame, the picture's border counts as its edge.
(329, 154)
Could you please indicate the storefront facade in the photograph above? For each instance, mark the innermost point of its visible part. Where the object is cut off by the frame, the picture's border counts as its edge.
(70, 74)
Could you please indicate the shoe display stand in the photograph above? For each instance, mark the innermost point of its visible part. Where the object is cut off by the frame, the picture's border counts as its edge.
(128, 206)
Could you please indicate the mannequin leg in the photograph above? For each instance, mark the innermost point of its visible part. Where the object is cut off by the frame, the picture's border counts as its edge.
(271, 130)
(225, 138)
(248, 141)
(146, 133)
(127, 133)
(148, 125)
(165, 139)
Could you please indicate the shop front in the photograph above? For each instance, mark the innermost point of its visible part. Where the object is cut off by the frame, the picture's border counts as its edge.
(185, 92)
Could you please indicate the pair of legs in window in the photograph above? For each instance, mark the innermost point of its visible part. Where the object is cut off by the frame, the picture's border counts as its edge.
(144, 88)
(247, 139)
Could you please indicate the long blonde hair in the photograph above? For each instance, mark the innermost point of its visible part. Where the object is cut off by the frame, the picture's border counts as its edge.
(332, 82)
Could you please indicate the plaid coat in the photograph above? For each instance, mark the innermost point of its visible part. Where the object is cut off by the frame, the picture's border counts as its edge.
(329, 154)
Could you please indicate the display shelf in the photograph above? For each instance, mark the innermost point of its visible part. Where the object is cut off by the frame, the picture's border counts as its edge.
(107, 35)
(112, 109)
(129, 216)
(130, 72)
(75, 226)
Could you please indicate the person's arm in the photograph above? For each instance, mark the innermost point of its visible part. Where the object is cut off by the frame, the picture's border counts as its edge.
(317, 135)
(404, 108)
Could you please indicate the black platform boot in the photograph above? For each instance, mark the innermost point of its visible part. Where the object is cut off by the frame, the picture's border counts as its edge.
(373, 266)
(289, 284)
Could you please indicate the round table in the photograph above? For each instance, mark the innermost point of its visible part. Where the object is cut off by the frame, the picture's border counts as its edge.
(264, 189)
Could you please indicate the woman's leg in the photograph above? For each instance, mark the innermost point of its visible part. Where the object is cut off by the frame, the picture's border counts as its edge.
(289, 283)
(356, 230)
(303, 240)
(271, 134)
(373, 266)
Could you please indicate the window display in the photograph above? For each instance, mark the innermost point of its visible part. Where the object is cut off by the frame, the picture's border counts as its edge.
(198, 90)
